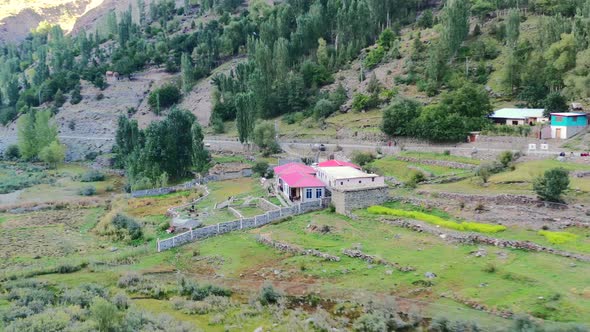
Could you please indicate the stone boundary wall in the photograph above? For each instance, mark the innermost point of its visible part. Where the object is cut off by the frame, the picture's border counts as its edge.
(473, 238)
(235, 212)
(166, 190)
(503, 199)
(286, 247)
(443, 163)
(265, 204)
(354, 253)
(242, 223)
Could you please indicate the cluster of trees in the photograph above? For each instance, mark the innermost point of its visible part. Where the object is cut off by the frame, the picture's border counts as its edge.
(450, 120)
(294, 48)
(165, 150)
(37, 138)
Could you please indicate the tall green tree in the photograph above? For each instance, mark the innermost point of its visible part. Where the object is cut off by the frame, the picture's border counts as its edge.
(35, 132)
(246, 115)
(200, 153)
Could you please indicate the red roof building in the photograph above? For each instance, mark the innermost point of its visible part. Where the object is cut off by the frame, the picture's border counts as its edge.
(337, 163)
(297, 182)
(294, 168)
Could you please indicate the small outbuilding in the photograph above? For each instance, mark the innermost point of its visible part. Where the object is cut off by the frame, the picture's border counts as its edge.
(519, 116)
(566, 125)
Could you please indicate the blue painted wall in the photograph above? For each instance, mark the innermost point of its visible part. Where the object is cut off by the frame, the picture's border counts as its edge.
(569, 121)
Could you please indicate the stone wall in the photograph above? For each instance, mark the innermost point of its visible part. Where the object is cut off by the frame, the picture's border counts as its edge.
(443, 163)
(266, 205)
(243, 223)
(352, 199)
(167, 190)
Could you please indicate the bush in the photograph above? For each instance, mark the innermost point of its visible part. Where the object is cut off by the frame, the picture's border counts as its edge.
(361, 102)
(91, 156)
(372, 322)
(164, 97)
(260, 168)
(87, 191)
(68, 268)
(374, 57)
(558, 237)
(132, 227)
(415, 178)
(362, 158)
(12, 152)
(436, 220)
(506, 158)
(268, 295)
(550, 186)
(92, 176)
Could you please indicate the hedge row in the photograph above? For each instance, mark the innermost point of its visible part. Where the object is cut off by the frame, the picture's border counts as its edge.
(558, 237)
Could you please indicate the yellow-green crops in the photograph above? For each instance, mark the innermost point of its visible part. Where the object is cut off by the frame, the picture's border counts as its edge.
(558, 237)
(436, 220)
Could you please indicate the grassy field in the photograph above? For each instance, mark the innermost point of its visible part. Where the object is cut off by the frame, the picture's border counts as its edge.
(403, 171)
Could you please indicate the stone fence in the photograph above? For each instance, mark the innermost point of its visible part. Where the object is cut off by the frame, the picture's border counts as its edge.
(242, 223)
(442, 163)
(166, 190)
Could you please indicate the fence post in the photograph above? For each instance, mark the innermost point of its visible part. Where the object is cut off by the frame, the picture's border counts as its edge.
(299, 208)
(191, 230)
(158, 243)
(241, 224)
(173, 245)
(217, 228)
(255, 221)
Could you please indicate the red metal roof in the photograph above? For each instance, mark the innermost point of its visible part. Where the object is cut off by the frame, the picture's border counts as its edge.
(294, 168)
(337, 163)
(301, 180)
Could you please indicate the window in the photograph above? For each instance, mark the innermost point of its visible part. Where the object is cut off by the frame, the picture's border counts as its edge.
(515, 123)
(318, 193)
(558, 118)
(341, 183)
(360, 181)
(308, 193)
(575, 119)
(373, 179)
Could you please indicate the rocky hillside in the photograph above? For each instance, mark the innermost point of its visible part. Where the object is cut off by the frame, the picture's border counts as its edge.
(18, 18)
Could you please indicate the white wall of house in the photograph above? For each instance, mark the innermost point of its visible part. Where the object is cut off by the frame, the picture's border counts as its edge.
(356, 182)
(314, 193)
(565, 132)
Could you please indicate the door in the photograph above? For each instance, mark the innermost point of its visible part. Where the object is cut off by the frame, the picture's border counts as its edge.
(558, 133)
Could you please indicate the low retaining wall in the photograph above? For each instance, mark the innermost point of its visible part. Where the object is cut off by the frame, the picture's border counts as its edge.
(243, 223)
(167, 190)
(286, 247)
(473, 238)
(443, 163)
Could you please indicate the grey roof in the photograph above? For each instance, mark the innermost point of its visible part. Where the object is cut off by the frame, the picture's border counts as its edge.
(518, 113)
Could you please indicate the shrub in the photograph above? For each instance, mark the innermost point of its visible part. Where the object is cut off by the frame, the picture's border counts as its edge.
(490, 268)
(68, 268)
(129, 279)
(164, 97)
(506, 158)
(436, 220)
(125, 223)
(92, 176)
(91, 156)
(374, 57)
(87, 191)
(268, 295)
(372, 322)
(260, 168)
(12, 152)
(550, 186)
(362, 158)
(558, 237)
(361, 102)
(121, 301)
(415, 178)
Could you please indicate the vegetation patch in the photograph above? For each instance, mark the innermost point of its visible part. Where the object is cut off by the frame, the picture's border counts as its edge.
(558, 237)
(436, 220)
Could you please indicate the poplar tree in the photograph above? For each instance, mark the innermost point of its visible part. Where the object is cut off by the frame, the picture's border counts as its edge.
(186, 72)
(246, 114)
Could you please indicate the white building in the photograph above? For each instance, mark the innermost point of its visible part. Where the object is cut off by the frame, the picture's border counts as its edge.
(343, 175)
(519, 116)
